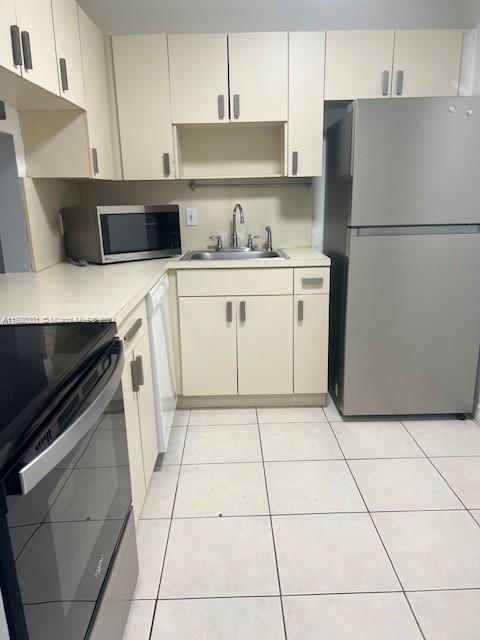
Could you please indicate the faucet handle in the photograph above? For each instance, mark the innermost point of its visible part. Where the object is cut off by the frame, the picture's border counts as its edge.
(251, 238)
(218, 238)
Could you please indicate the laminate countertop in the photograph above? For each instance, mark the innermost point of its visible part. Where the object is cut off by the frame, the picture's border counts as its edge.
(101, 293)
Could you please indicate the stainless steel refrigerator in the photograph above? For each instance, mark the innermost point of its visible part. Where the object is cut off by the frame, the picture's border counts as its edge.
(402, 226)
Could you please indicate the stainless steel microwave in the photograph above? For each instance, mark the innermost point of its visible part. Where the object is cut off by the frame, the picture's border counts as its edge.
(121, 233)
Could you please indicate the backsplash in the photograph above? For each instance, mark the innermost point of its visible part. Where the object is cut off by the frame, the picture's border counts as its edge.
(285, 206)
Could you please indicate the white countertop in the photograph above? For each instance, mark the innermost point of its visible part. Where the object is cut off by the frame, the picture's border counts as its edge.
(67, 293)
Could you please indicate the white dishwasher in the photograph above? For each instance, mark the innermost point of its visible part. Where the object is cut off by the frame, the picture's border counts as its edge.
(163, 364)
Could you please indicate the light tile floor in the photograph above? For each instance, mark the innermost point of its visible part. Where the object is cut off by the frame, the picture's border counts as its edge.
(276, 524)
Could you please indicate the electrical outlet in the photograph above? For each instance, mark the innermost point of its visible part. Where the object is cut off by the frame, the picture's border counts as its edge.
(191, 216)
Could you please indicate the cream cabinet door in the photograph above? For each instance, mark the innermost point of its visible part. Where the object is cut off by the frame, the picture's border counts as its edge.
(305, 104)
(34, 17)
(96, 96)
(208, 346)
(146, 407)
(8, 19)
(198, 77)
(69, 53)
(143, 97)
(265, 345)
(427, 63)
(358, 64)
(258, 68)
(134, 440)
(310, 340)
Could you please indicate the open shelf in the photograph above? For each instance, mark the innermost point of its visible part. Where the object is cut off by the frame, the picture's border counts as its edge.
(233, 150)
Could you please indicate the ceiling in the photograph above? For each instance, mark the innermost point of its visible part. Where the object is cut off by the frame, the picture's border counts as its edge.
(203, 16)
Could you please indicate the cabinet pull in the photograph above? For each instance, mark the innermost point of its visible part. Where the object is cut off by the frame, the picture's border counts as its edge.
(385, 83)
(133, 330)
(300, 310)
(141, 377)
(243, 311)
(134, 374)
(16, 45)
(221, 107)
(166, 164)
(312, 282)
(95, 161)
(400, 76)
(27, 50)
(63, 74)
(229, 311)
(294, 163)
(236, 106)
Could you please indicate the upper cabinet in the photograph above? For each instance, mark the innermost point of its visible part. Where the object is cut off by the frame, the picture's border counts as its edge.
(10, 45)
(305, 111)
(427, 63)
(97, 98)
(143, 95)
(35, 22)
(69, 54)
(198, 78)
(358, 64)
(258, 67)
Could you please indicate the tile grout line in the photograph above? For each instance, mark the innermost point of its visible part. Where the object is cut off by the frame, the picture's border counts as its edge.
(379, 536)
(169, 531)
(271, 528)
(440, 473)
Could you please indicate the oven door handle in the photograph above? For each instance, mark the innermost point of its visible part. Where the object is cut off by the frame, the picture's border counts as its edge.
(33, 472)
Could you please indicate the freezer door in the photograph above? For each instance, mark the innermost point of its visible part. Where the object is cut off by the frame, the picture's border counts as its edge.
(415, 161)
(412, 328)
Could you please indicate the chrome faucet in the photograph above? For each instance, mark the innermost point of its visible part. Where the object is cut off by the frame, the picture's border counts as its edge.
(236, 208)
(269, 238)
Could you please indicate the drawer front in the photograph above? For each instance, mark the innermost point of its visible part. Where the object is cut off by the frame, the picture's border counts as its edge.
(133, 327)
(235, 282)
(312, 280)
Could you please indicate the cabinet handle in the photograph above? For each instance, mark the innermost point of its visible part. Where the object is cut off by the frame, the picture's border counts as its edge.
(63, 74)
(229, 311)
(95, 161)
(243, 311)
(141, 377)
(236, 106)
(400, 76)
(133, 330)
(385, 83)
(221, 107)
(294, 163)
(166, 164)
(312, 282)
(134, 373)
(16, 45)
(300, 310)
(27, 50)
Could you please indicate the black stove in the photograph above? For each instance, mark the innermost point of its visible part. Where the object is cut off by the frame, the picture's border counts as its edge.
(37, 362)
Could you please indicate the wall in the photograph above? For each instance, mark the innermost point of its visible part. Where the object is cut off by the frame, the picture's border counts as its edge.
(286, 207)
(12, 125)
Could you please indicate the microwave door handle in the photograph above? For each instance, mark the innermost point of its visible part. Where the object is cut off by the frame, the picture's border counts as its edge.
(32, 473)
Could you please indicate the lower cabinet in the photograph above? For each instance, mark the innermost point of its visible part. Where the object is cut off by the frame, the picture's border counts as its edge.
(208, 344)
(265, 347)
(137, 386)
(257, 344)
(310, 340)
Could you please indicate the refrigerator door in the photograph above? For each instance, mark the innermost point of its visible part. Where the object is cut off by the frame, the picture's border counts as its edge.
(412, 326)
(415, 161)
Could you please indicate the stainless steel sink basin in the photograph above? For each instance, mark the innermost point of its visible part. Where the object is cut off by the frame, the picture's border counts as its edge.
(225, 254)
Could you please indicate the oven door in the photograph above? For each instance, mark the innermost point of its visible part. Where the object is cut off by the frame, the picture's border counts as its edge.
(139, 233)
(70, 525)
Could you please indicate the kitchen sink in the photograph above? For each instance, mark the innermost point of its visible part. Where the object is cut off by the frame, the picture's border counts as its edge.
(225, 254)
